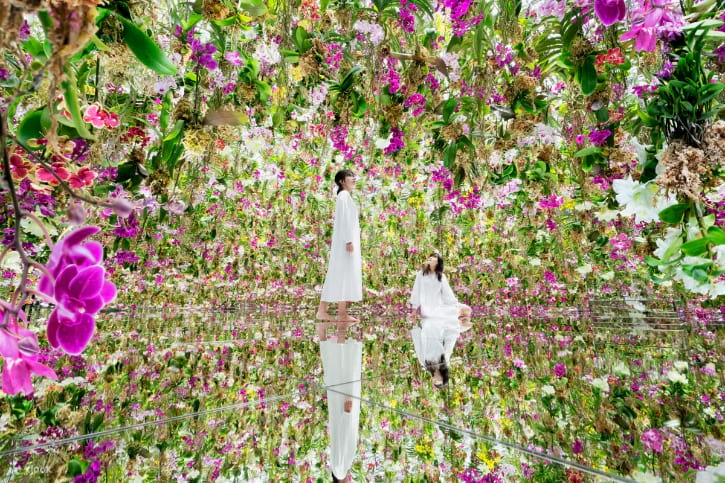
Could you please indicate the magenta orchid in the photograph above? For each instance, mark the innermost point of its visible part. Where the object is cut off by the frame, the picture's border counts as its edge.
(652, 18)
(80, 289)
(610, 11)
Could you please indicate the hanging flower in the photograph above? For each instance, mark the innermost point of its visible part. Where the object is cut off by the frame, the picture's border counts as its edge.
(79, 289)
(610, 11)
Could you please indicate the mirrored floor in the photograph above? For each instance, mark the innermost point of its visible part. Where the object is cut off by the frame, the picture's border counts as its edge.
(242, 396)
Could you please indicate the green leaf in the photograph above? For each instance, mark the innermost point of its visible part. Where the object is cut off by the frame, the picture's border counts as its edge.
(716, 235)
(673, 214)
(588, 152)
(449, 155)
(31, 127)
(602, 114)
(255, 8)
(264, 91)
(145, 49)
(448, 109)
(588, 76)
(70, 95)
(695, 248)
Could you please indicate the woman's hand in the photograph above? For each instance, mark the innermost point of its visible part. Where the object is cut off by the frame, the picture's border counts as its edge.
(349, 248)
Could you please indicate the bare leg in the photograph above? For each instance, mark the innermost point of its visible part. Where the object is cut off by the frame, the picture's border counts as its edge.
(465, 317)
(322, 311)
(341, 332)
(321, 330)
(342, 314)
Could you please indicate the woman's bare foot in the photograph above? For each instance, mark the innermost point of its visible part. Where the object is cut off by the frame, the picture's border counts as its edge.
(323, 316)
(348, 405)
(347, 318)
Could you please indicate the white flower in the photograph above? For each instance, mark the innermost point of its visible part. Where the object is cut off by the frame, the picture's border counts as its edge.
(584, 269)
(644, 201)
(675, 377)
(711, 474)
(646, 478)
(607, 276)
(601, 383)
(12, 262)
(548, 390)
(535, 262)
(606, 215)
(681, 365)
(373, 29)
(382, 143)
(621, 369)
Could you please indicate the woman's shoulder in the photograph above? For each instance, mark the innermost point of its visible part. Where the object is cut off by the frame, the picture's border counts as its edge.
(343, 194)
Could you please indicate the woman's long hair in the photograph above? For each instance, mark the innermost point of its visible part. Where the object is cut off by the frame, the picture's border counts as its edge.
(340, 177)
(438, 269)
(442, 367)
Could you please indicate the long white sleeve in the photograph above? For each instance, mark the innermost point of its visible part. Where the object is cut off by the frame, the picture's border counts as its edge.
(414, 299)
(344, 217)
(449, 298)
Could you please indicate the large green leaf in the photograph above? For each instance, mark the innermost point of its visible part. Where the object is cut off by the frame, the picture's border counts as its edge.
(716, 235)
(588, 76)
(674, 213)
(70, 95)
(31, 127)
(695, 247)
(145, 49)
(255, 8)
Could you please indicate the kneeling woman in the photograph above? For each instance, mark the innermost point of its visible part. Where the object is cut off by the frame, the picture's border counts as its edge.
(443, 319)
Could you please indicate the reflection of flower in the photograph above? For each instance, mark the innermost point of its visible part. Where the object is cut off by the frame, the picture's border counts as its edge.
(80, 289)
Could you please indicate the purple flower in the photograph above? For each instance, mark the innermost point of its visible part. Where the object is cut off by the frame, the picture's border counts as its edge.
(4, 74)
(417, 100)
(80, 289)
(560, 369)
(668, 69)
(234, 58)
(720, 52)
(406, 17)
(577, 447)
(598, 138)
(652, 440)
(610, 11)
(396, 142)
(551, 202)
(24, 31)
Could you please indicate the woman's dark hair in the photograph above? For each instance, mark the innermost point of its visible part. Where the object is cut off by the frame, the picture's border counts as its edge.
(340, 177)
(442, 367)
(438, 269)
(334, 478)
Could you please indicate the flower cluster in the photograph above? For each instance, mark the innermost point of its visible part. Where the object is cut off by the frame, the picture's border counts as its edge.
(99, 118)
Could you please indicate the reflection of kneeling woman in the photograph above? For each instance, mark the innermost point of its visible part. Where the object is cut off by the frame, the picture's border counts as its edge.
(443, 319)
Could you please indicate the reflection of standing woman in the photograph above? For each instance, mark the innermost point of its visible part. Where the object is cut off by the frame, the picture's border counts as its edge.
(342, 366)
(443, 319)
(343, 283)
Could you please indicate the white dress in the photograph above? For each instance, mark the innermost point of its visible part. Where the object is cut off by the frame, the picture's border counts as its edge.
(342, 365)
(343, 282)
(440, 326)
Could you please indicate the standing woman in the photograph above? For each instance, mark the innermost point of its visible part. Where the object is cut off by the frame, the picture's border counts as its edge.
(343, 283)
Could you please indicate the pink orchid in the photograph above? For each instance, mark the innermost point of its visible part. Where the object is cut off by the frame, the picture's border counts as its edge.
(84, 177)
(111, 119)
(94, 115)
(59, 169)
(18, 348)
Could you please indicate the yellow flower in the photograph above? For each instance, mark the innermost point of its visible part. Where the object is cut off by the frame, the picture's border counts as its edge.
(393, 403)
(568, 205)
(305, 24)
(296, 72)
(278, 95)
